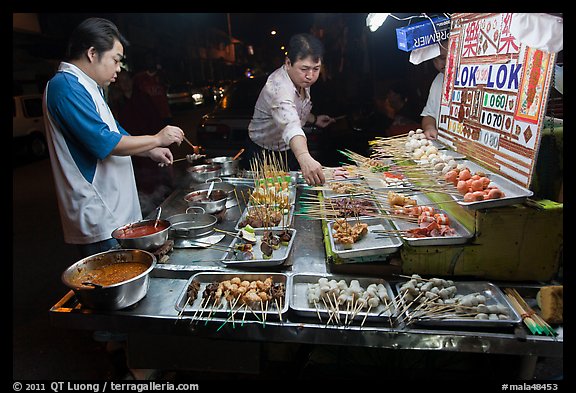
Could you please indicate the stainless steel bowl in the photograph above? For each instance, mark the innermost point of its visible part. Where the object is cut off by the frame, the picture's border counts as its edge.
(110, 297)
(193, 225)
(148, 242)
(229, 166)
(213, 204)
(201, 173)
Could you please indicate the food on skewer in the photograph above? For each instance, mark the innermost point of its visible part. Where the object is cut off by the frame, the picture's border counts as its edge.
(398, 200)
(247, 233)
(436, 298)
(192, 291)
(266, 249)
(246, 255)
(347, 234)
(262, 216)
(272, 239)
(285, 237)
(243, 246)
(339, 297)
(351, 207)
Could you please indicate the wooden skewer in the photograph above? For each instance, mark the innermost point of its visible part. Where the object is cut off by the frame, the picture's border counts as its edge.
(194, 148)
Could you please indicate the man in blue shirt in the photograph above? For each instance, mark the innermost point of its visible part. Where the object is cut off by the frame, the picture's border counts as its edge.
(89, 151)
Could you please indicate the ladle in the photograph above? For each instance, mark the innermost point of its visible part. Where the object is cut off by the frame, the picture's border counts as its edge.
(158, 216)
(238, 155)
(210, 190)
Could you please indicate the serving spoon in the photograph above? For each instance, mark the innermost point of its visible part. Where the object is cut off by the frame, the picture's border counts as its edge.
(158, 216)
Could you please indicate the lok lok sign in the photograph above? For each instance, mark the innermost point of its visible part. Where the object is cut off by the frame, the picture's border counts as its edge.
(494, 95)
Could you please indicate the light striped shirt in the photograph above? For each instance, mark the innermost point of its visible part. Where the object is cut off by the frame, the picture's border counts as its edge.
(280, 112)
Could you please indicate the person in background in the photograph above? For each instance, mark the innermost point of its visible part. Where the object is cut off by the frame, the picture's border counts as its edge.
(148, 86)
(89, 151)
(431, 111)
(284, 107)
(140, 104)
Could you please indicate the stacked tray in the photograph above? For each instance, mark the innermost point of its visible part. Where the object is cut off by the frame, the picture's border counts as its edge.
(298, 298)
(496, 307)
(201, 307)
(278, 257)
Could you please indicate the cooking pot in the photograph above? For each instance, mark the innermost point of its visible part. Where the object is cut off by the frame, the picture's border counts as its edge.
(115, 296)
(218, 185)
(214, 203)
(144, 234)
(200, 173)
(192, 224)
(229, 165)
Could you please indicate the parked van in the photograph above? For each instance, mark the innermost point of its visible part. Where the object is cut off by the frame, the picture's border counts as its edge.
(28, 125)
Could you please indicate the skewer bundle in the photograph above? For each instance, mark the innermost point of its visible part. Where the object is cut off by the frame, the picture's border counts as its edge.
(531, 319)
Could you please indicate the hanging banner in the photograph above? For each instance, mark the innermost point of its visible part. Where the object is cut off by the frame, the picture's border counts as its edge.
(494, 95)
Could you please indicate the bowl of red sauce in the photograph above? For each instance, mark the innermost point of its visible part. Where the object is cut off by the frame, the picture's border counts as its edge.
(147, 235)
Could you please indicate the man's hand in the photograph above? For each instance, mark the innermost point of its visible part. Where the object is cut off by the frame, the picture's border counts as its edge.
(169, 135)
(431, 133)
(163, 155)
(311, 170)
(324, 121)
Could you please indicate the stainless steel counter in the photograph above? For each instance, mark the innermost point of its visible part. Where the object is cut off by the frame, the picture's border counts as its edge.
(156, 314)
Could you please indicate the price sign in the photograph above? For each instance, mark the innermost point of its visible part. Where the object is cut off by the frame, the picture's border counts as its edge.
(494, 101)
(489, 138)
(492, 119)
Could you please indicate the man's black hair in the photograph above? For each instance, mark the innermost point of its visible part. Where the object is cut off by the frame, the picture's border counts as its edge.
(93, 32)
(303, 45)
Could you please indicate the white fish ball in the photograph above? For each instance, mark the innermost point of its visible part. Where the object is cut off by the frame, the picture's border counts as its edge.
(373, 302)
(481, 299)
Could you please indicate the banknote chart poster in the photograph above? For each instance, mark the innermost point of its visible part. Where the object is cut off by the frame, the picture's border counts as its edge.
(494, 95)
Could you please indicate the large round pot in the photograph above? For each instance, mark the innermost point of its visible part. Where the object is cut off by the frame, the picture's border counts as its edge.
(201, 173)
(144, 234)
(229, 166)
(215, 203)
(218, 185)
(82, 278)
(193, 225)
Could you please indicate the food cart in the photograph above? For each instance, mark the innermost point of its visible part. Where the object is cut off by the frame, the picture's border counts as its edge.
(510, 244)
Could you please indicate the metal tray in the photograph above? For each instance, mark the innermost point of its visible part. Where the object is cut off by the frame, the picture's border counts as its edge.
(279, 256)
(360, 188)
(514, 193)
(493, 295)
(286, 222)
(369, 244)
(299, 301)
(205, 278)
(462, 233)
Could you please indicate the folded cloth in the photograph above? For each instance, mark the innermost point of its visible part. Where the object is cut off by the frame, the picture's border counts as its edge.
(419, 55)
(539, 31)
